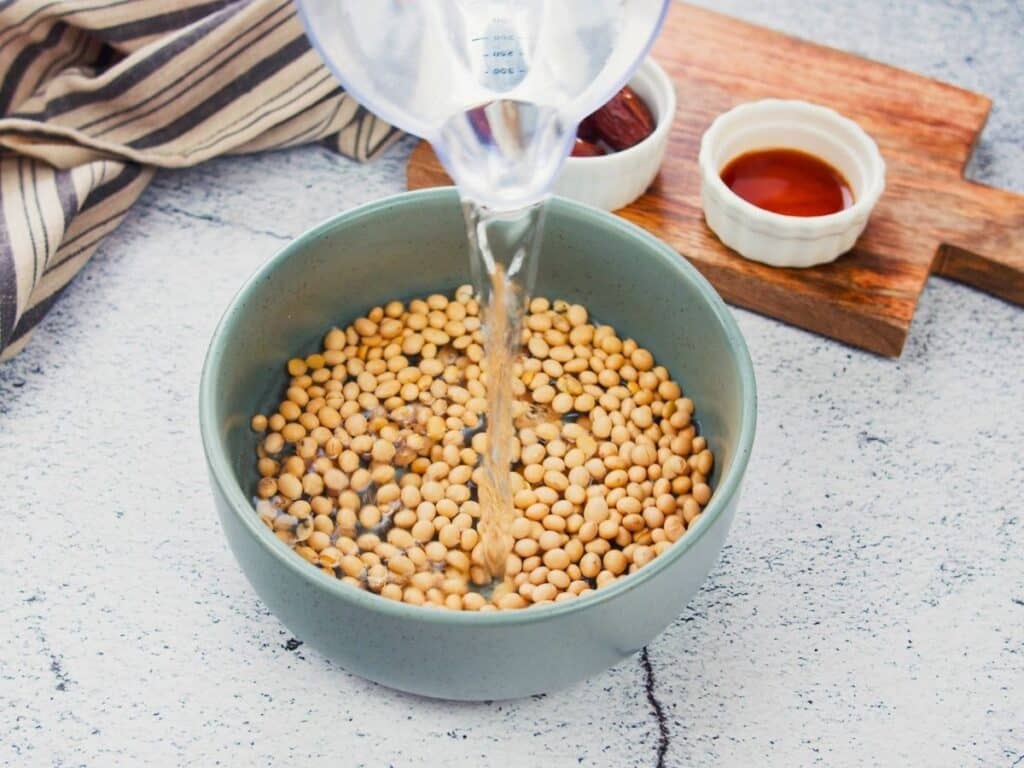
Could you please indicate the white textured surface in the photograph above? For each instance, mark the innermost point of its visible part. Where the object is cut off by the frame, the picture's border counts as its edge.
(868, 610)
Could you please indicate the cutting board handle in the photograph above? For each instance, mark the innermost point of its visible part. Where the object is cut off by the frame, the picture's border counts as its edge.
(983, 239)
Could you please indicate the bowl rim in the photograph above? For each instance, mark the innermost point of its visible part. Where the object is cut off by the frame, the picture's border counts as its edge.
(241, 506)
(780, 224)
(649, 67)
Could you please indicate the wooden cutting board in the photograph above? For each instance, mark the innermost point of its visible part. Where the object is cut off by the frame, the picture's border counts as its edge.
(930, 220)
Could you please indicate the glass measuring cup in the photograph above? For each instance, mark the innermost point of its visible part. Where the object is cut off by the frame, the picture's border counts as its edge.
(496, 86)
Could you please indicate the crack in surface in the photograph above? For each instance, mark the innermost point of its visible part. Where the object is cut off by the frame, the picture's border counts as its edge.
(62, 678)
(214, 219)
(659, 713)
(58, 672)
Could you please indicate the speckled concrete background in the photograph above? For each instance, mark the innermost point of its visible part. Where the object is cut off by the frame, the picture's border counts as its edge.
(868, 610)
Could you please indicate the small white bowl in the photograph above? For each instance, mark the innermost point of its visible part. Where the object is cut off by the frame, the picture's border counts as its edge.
(773, 238)
(615, 180)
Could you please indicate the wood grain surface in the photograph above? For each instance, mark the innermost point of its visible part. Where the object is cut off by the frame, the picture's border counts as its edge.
(930, 218)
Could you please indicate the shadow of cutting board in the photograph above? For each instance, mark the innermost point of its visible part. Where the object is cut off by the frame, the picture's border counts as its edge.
(930, 219)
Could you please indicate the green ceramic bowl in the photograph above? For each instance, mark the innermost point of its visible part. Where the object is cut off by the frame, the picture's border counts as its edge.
(408, 246)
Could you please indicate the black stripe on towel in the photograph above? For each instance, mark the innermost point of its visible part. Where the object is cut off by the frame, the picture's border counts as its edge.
(263, 71)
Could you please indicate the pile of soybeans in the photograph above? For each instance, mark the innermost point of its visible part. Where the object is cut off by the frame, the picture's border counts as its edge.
(369, 465)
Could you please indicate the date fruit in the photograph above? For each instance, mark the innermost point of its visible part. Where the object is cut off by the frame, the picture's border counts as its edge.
(624, 121)
(582, 148)
(587, 130)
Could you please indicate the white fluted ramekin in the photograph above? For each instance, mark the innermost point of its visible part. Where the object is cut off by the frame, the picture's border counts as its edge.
(615, 180)
(773, 238)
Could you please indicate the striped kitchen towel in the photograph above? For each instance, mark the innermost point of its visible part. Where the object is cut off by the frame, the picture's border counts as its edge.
(96, 94)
